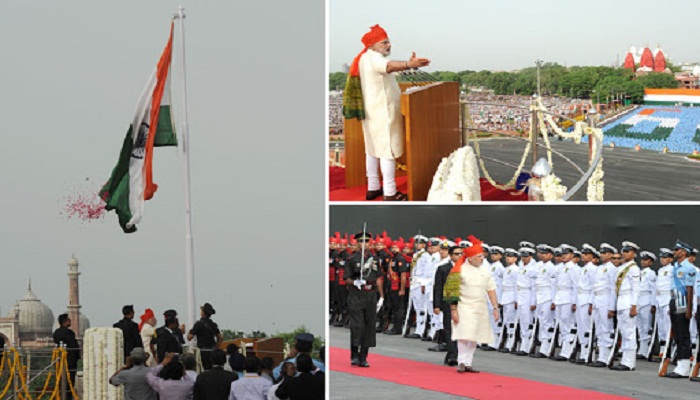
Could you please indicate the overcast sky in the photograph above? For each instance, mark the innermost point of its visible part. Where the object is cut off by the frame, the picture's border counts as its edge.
(71, 76)
(511, 34)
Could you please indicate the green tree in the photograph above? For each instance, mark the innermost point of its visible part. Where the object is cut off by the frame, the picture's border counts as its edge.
(446, 76)
(610, 86)
(336, 80)
(501, 83)
(634, 91)
(229, 334)
(658, 80)
(579, 82)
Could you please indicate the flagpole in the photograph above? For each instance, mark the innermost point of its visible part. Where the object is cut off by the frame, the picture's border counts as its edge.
(184, 129)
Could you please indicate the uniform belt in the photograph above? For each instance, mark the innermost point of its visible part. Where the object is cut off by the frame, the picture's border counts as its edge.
(645, 292)
(601, 292)
(662, 292)
(563, 289)
(508, 289)
(584, 291)
(626, 291)
(543, 288)
(366, 288)
(523, 289)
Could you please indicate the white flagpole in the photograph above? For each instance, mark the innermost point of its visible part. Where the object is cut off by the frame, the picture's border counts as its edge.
(189, 243)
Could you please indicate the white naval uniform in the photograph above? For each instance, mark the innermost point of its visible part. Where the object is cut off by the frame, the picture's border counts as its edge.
(564, 298)
(628, 296)
(497, 270)
(604, 302)
(545, 288)
(507, 299)
(584, 299)
(693, 324)
(435, 319)
(664, 285)
(526, 299)
(422, 277)
(647, 295)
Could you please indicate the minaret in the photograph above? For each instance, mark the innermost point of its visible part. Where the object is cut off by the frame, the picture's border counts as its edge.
(74, 297)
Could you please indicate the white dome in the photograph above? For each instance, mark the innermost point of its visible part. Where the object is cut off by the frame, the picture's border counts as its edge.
(35, 317)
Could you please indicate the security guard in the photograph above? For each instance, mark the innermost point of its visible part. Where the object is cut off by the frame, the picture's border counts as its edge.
(396, 287)
(361, 276)
(207, 333)
(681, 307)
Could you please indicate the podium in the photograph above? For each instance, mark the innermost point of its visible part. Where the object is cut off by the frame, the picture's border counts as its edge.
(431, 132)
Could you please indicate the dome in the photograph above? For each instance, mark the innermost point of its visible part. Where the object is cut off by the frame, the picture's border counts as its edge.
(647, 59)
(629, 61)
(35, 318)
(659, 61)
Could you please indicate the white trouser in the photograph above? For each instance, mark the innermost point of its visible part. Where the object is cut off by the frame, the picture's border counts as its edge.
(525, 319)
(643, 322)
(510, 315)
(494, 327)
(663, 319)
(420, 304)
(435, 319)
(583, 321)
(546, 317)
(628, 332)
(465, 352)
(388, 167)
(694, 326)
(566, 320)
(604, 331)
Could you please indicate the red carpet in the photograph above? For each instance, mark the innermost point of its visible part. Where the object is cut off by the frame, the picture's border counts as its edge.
(338, 191)
(444, 379)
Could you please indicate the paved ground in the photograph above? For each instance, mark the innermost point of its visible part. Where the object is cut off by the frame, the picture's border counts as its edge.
(629, 175)
(642, 383)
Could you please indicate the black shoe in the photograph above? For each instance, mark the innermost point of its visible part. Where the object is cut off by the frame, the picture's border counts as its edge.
(674, 375)
(503, 350)
(487, 348)
(581, 361)
(397, 197)
(378, 329)
(519, 353)
(363, 364)
(654, 359)
(451, 362)
(441, 347)
(412, 336)
(393, 332)
(538, 355)
(338, 324)
(621, 367)
(598, 364)
(373, 194)
(355, 361)
(559, 358)
(426, 339)
(696, 379)
(640, 357)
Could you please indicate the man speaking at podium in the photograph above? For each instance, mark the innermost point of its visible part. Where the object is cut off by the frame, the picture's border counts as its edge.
(373, 96)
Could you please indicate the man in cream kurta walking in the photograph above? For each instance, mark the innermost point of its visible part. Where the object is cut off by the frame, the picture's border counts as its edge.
(465, 290)
(376, 101)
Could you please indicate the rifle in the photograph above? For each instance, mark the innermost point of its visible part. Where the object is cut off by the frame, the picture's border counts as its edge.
(694, 364)
(667, 354)
(553, 341)
(654, 333)
(501, 334)
(587, 350)
(574, 332)
(362, 258)
(613, 350)
(513, 346)
(533, 338)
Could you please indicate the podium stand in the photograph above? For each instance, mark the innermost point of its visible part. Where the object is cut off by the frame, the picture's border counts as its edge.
(431, 132)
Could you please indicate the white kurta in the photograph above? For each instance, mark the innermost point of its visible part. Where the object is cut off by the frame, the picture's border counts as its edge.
(473, 313)
(147, 332)
(383, 123)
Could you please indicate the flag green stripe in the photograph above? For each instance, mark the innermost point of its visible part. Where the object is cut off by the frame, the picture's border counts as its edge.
(116, 191)
(165, 134)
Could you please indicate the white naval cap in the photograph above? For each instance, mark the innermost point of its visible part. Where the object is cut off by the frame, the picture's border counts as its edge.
(648, 254)
(545, 248)
(511, 252)
(525, 243)
(557, 251)
(465, 243)
(526, 251)
(485, 247)
(567, 248)
(421, 239)
(664, 252)
(577, 253)
(495, 249)
(605, 247)
(446, 244)
(630, 245)
(587, 248)
(434, 241)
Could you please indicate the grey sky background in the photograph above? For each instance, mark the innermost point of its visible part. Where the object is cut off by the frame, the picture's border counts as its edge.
(511, 34)
(71, 75)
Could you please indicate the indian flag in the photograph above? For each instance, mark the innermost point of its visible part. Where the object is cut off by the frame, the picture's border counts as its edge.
(131, 183)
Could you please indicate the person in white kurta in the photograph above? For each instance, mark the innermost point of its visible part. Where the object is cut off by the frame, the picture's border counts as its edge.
(383, 122)
(148, 329)
(470, 319)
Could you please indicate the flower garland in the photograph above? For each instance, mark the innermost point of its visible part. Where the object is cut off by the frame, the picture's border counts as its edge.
(552, 189)
(456, 179)
(103, 354)
(514, 179)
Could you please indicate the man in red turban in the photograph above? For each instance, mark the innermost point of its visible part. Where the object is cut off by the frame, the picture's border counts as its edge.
(373, 96)
(465, 290)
